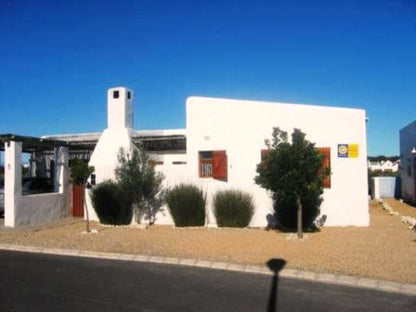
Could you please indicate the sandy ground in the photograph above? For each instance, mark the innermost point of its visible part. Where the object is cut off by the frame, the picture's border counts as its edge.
(385, 250)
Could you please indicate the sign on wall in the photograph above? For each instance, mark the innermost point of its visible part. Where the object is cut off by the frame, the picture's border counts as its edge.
(348, 150)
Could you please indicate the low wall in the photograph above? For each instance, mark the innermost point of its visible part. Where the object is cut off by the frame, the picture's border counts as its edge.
(41, 208)
(383, 187)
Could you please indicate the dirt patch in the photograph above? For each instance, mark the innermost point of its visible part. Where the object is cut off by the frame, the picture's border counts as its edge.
(385, 250)
(402, 208)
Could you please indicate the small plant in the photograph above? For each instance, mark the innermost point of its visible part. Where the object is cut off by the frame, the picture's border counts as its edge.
(233, 208)
(186, 205)
(111, 203)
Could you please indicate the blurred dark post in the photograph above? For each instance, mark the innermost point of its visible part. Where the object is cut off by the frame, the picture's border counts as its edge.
(275, 265)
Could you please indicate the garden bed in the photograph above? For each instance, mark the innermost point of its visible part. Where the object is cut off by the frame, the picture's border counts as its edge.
(385, 250)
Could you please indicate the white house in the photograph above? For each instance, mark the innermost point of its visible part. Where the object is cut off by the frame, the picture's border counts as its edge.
(384, 165)
(223, 142)
(408, 162)
(238, 129)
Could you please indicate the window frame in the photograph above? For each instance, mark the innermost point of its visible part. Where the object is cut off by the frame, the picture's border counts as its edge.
(217, 163)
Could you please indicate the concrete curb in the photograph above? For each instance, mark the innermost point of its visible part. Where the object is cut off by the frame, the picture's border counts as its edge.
(336, 279)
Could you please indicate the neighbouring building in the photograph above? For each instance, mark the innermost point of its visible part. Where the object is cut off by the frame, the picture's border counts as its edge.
(408, 162)
(223, 142)
(383, 166)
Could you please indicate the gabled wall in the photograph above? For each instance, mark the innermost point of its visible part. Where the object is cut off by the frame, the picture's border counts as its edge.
(240, 128)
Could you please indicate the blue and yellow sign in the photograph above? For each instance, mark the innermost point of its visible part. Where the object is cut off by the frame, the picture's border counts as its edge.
(348, 150)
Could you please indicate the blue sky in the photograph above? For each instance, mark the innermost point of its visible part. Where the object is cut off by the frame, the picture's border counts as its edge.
(59, 58)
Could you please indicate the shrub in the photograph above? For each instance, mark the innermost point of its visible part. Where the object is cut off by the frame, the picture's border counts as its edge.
(141, 182)
(111, 203)
(233, 208)
(292, 171)
(186, 205)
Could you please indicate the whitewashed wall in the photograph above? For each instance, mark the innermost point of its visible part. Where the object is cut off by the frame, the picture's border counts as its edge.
(383, 187)
(240, 128)
(34, 209)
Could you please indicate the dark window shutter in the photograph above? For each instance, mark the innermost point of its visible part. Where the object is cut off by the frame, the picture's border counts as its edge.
(326, 163)
(219, 165)
(264, 154)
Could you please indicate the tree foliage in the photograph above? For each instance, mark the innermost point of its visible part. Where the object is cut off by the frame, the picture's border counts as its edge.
(290, 171)
(80, 171)
(383, 158)
(139, 179)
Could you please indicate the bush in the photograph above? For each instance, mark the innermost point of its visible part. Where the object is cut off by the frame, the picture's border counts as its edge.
(111, 203)
(286, 209)
(141, 182)
(291, 171)
(186, 205)
(233, 208)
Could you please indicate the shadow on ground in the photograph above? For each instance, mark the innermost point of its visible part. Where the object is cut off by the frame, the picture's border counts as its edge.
(275, 265)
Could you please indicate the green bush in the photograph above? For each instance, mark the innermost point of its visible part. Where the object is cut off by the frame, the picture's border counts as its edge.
(186, 205)
(291, 171)
(233, 208)
(111, 203)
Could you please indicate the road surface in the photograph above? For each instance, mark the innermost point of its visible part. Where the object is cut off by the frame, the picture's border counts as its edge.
(39, 282)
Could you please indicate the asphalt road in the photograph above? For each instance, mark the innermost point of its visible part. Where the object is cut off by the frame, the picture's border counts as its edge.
(38, 282)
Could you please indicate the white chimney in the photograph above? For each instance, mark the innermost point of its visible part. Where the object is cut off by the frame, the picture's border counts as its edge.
(119, 108)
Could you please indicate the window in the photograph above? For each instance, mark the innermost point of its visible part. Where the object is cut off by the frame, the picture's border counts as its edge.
(116, 94)
(128, 95)
(213, 164)
(326, 163)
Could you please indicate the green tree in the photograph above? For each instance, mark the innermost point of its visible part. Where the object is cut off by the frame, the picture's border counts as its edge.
(138, 177)
(80, 172)
(293, 173)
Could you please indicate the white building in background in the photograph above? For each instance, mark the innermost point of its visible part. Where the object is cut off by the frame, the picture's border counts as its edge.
(384, 165)
(223, 142)
(408, 162)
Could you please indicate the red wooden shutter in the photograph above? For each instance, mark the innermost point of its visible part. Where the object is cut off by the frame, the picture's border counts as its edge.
(264, 154)
(219, 165)
(326, 163)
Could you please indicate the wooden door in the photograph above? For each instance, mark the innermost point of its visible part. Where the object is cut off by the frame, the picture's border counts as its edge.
(77, 201)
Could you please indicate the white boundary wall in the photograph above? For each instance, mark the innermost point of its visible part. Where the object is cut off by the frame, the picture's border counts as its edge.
(383, 187)
(34, 209)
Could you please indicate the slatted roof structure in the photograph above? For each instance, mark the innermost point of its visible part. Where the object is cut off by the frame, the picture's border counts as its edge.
(152, 141)
(82, 145)
(31, 144)
(46, 146)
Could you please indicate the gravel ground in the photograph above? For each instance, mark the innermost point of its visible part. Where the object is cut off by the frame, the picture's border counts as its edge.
(385, 250)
